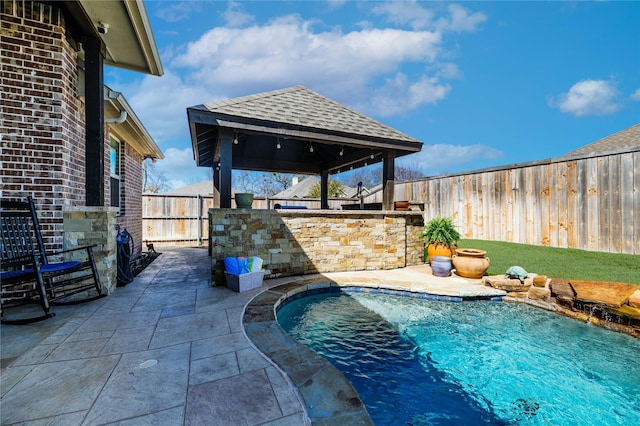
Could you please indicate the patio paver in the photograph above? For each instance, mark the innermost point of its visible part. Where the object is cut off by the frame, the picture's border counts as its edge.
(170, 349)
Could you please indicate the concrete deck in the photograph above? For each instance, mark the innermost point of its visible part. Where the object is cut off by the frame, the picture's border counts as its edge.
(170, 349)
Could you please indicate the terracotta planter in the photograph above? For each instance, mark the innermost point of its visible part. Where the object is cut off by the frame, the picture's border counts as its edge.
(470, 263)
(438, 249)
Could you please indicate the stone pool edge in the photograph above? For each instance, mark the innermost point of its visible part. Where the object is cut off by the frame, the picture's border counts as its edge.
(326, 394)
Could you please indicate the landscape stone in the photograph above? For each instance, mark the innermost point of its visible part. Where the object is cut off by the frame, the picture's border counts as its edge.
(507, 284)
(540, 281)
(603, 293)
(561, 288)
(634, 299)
(539, 293)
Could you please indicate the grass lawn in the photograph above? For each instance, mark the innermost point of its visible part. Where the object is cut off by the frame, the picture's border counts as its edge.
(559, 262)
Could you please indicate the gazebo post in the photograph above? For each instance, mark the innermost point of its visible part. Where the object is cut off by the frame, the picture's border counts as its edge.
(324, 190)
(225, 142)
(388, 182)
(216, 186)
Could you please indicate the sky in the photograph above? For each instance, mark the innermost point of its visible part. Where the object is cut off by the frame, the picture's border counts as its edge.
(481, 84)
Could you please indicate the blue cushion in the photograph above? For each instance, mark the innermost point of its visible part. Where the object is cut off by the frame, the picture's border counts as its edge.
(58, 266)
(5, 275)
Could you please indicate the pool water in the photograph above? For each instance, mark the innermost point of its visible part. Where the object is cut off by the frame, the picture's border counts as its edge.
(421, 362)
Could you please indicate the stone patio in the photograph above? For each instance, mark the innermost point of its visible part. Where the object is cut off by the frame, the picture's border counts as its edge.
(170, 349)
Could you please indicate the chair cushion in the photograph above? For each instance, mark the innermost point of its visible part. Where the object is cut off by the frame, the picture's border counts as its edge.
(7, 275)
(59, 266)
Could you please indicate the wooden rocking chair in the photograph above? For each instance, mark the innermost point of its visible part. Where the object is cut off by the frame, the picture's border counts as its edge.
(28, 275)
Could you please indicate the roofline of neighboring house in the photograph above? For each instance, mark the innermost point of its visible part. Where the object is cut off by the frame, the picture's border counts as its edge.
(124, 122)
(124, 27)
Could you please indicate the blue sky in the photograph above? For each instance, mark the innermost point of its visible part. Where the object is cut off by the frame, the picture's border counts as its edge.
(482, 84)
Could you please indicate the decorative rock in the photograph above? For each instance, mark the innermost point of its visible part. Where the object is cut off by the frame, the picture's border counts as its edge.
(603, 293)
(634, 299)
(539, 293)
(626, 311)
(507, 284)
(540, 281)
(565, 301)
(561, 288)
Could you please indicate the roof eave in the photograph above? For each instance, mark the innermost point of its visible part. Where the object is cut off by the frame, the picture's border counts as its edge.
(131, 129)
(129, 31)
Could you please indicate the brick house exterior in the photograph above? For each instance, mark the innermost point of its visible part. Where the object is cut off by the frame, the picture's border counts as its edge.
(43, 122)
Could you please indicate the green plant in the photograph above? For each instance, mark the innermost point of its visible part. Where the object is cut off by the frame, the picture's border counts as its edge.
(441, 230)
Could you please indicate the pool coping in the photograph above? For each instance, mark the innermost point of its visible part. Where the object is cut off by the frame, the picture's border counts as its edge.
(327, 396)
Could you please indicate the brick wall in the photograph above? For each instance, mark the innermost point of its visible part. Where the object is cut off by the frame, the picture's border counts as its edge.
(303, 242)
(131, 201)
(42, 122)
(42, 119)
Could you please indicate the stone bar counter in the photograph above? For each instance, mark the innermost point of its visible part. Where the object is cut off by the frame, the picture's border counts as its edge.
(296, 242)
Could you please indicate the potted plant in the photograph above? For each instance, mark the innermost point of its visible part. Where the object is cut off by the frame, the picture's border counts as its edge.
(440, 237)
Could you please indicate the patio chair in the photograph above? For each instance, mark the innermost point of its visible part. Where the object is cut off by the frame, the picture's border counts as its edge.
(28, 273)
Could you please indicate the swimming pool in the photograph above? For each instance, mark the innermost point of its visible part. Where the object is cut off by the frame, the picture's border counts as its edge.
(417, 361)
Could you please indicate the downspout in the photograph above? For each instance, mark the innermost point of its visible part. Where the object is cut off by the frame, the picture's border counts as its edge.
(118, 120)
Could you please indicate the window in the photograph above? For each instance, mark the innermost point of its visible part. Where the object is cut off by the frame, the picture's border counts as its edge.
(114, 169)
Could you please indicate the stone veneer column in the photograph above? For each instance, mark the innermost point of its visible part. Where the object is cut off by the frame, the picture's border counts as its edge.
(84, 226)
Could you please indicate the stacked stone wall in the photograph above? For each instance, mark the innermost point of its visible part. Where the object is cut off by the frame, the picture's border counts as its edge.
(309, 242)
(85, 226)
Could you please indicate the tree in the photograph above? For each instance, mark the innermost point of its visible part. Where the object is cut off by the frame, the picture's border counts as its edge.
(263, 184)
(335, 190)
(409, 171)
(153, 180)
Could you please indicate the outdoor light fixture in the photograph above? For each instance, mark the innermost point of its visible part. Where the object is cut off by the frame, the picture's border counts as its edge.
(278, 144)
(235, 138)
(372, 155)
(341, 151)
(310, 147)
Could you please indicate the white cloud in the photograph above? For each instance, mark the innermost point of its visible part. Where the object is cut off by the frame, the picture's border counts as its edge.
(461, 19)
(406, 13)
(399, 95)
(235, 16)
(176, 11)
(443, 158)
(179, 168)
(589, 97)
(635, 96)
(286, 52)
(161, 105)
(419, 18)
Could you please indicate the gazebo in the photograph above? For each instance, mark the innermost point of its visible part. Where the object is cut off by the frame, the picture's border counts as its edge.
(292, 130)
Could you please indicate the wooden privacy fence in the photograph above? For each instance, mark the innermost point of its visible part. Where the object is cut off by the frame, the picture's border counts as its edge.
(584, 202)
(182, 220)
(590, 203)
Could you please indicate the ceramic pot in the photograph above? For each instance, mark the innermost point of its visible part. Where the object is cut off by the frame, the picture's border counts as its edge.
(470, 263)
(438, 249)
(244, 200)
(441, 266)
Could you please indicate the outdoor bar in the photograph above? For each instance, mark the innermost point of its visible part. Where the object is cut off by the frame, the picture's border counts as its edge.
(293, 242)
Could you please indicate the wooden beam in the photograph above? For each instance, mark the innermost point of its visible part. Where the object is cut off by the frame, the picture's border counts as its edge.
(324, 190)
(388, 183)
(94, 122)
(225, 142)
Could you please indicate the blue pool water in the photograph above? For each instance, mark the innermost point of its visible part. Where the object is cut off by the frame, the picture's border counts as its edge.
(421, 362)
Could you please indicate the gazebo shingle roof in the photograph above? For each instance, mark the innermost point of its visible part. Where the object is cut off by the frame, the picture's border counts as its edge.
(300, 106)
